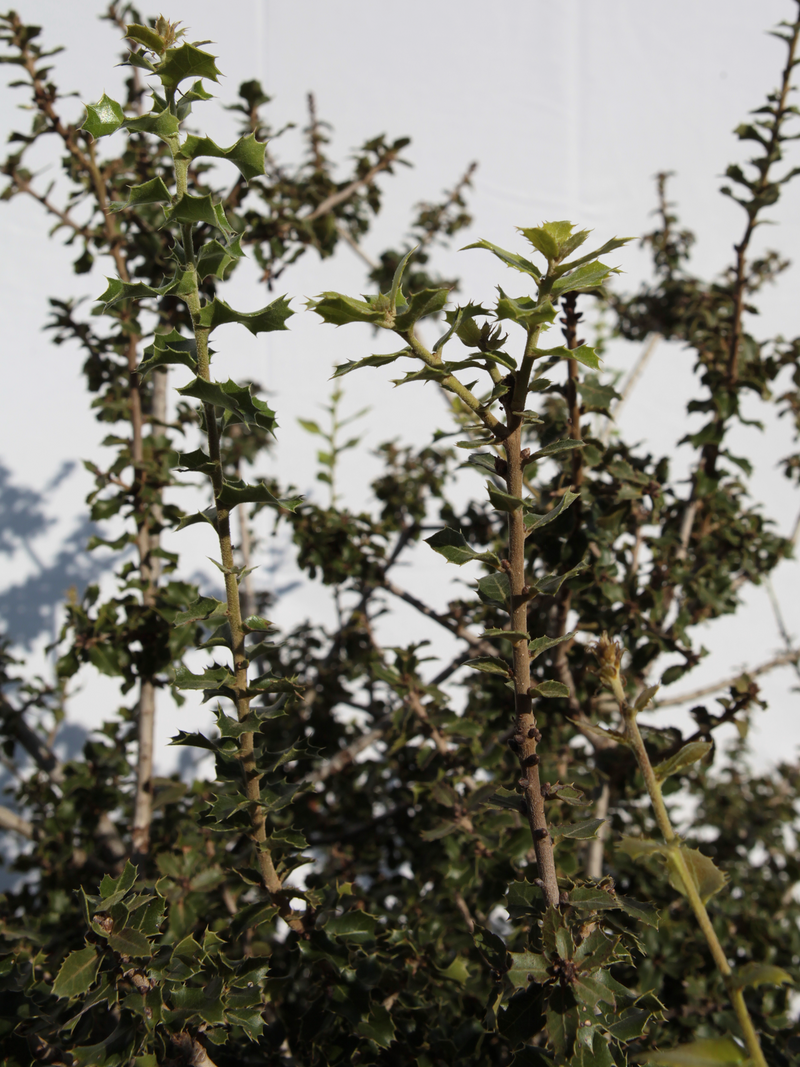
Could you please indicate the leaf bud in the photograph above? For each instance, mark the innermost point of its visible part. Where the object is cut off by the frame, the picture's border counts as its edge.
(531, 761)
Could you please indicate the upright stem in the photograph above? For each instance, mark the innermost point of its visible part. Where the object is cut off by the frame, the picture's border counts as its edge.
(677, 862)
(250, 775)
(526, 735)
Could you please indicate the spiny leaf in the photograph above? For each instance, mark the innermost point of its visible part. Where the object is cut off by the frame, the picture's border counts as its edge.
(640, 847)
(756, 974)
(76, 973)
(152, 192)
(551, 584)
(551, 689)
(489, 665)
(215, 259)
(103, 118)
(186, 62)
(495, 589)
(272, 317)
(337, 309)
(588, 276)
(129, 942)
(579, 831)
(195, 210)
(420, 305)
(508, 635)
(369, 361)
(502, 501)
(554, 448)
(453, 546)
(583, 354)
(535, 522)
(239, 492)
(161, 124)
(145, 35)
(236, 399)
(527, 967)
(685, 757)
(706, 1052)
(212, 678)
(247, 153)
(708, 878)
(525, 311)
(511, 259)
(541, 644)
(169, 348)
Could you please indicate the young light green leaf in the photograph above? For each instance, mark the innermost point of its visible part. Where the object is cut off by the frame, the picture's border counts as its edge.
(645, 697)
(583, 354)
(103, 118)
(544, 239)
(685, 757)
(145, 35)
(511, 259)
(708, 878)
(525, 310)
(76, 973)
(588, 276)
(705, 1052)
(757, 974)
(420, 305)
(533, 521)
(489, 665)
(640, 847)
(453, 546)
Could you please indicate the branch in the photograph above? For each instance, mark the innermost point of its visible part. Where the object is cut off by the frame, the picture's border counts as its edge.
(726, 683)
(9, 820)
(344, 194)
(630, 382)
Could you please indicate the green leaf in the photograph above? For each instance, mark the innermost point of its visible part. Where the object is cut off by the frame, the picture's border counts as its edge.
(239, 492)
(483, 461)
(186, 62)
(535, 522)
(685, 757)
(236, 399)
(489, 665)
(756, 974)
(596, 397)
(337, 309)
(528, 967)
(203, 609)
(632, 1024)
(215, 259)
(551, 584)
(356, 926)
(541, 644)
(272, 317)
(592, 898)
(378, 1027)
(169, 348)
(587, 276)
(247, 154)
(708, 878)
(211, 678)
(112, 890)
(421, 304)
(76, 973)
(554, 448)
(645, 913)
(645, 697)
(707, 1052)
(152, 192)
(599, 1055)
(544, 238)
(118, 290)
(639, 848)
(583, 354)
(511, 259)
(369, 361)
(551, 689)
(161, 124)
(453, 546)
(145, 35)
(495, 589)
(525, 311)
(103, 118)
(129, 942)
(457, 971)
(197, 210)
(508, 635)
(578, 831)
(395, 292)
(502, 501)
(505, 799)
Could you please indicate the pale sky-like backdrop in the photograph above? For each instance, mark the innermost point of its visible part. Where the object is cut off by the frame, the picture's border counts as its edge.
(569, 109)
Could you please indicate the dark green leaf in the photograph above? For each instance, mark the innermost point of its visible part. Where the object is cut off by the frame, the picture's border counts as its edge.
(583, 354)
(489, 665)
(453, 546)
(77, 973)
(377, 1027)
(550, 585)
(528, 967)
(369, 361)
(706, 1052)
(578, 831)
(237, 399)
(211, 678)
(502, 501)
(495, 589)
(588, 276)
(234, 493)
(541, 644)
(551, 689)
(162, 124)
(169, 348)
(554, 448)
(129, 942)
(196, 210)
(152, 192)
(535, 522)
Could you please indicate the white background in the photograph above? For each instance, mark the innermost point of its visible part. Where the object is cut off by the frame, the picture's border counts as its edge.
(570, 109)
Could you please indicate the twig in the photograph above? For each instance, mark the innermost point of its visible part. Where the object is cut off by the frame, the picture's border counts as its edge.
(634, 376)
(344, 194)
(9, 820)
(776, 608)
(725, 683)
(345, 234)
(594, 857)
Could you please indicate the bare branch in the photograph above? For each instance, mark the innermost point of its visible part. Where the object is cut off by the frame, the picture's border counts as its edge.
(344, 194)
(9, 820)
(726, 683)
